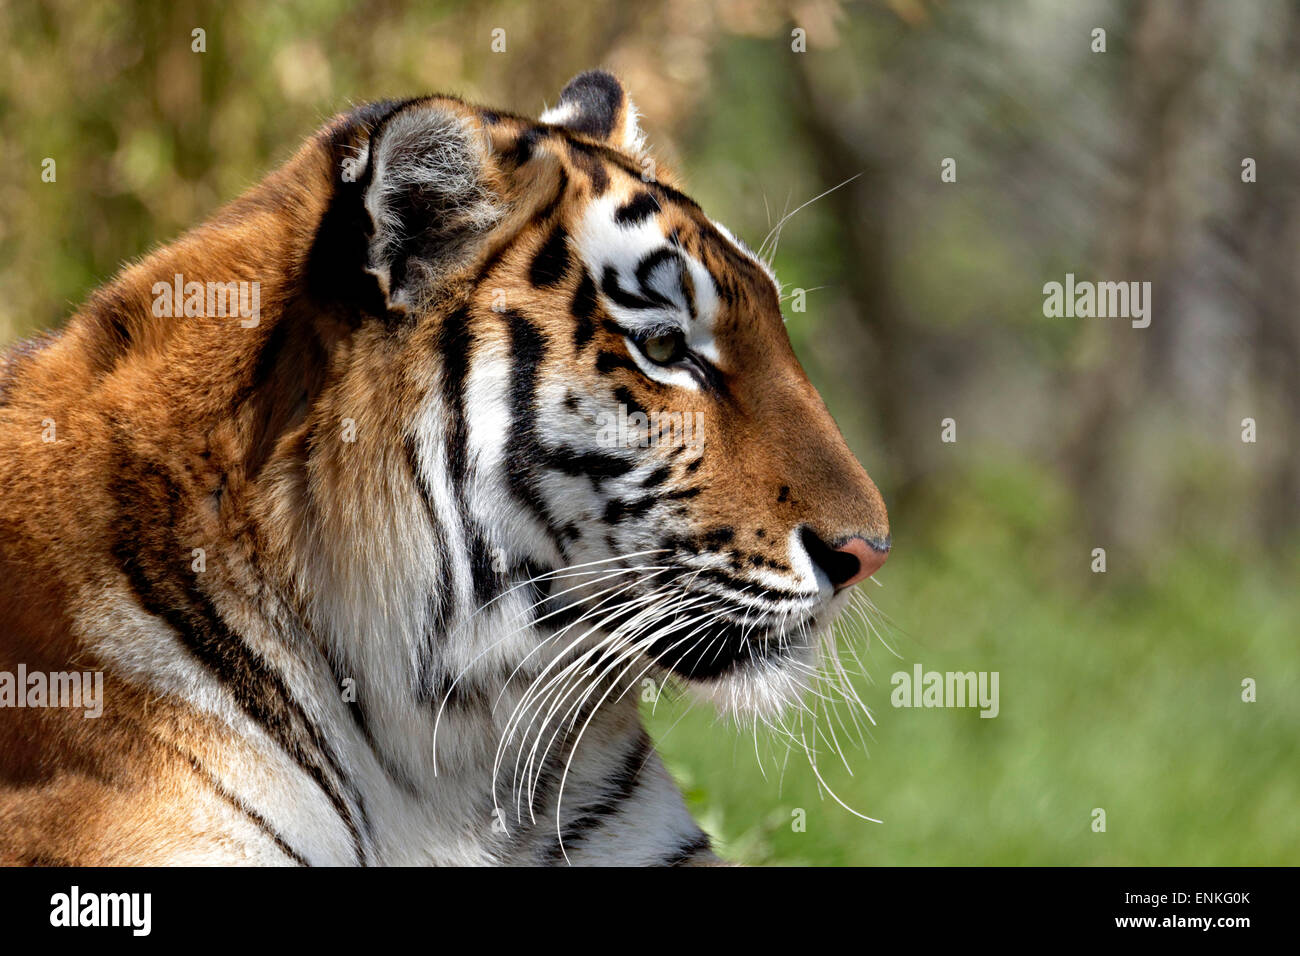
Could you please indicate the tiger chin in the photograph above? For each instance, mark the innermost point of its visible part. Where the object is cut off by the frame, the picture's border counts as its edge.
(322, 490)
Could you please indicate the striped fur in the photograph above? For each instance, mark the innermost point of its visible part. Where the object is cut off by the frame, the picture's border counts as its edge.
(430, 585)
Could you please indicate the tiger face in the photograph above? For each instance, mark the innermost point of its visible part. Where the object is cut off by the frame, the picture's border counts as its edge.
(619, 413)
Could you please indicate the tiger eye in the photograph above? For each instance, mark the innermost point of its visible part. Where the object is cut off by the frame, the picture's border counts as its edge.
(663, 348)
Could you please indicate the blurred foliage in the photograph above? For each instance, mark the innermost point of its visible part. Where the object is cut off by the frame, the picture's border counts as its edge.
(1119, 690)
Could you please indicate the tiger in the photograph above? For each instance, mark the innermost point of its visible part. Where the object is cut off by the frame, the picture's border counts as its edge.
(488, 425)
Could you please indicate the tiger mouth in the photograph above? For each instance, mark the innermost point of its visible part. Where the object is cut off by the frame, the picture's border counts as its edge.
(724, 647)
(703, 632)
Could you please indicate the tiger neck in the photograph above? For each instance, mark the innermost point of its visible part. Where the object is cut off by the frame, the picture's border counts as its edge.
(452, 699)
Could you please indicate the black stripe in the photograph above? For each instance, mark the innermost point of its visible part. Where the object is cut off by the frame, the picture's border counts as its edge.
(454, 343)
(156, 563)
(617, 789)
(552, 260)
(606, 362)
(464, 693)
(700, 843)
(440, 611)
(625, 398)
(715, 538)
(609, 285)
(554, 203)
(521, 150)
(546, 782)
(683, 494)
(584, 307)
(620, 160)
(637, 210)
(262, 823)
(589, 161)
(648, 264)
(591, 463)
(360, 715)
(657, 477)
(525, 452)
(493, 260)
(482, 568)
(616, 509)
(739, 584)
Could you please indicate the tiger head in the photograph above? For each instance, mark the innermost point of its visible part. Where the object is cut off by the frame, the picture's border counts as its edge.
(597, 392)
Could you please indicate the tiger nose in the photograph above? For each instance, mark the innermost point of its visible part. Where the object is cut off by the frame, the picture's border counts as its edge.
(868, 556)
(848, 563)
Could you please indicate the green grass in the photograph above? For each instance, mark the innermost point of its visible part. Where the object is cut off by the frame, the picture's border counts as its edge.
(1120, 691)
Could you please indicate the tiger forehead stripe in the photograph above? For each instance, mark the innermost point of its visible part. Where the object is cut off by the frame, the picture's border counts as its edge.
(647, 201)
(648, 277)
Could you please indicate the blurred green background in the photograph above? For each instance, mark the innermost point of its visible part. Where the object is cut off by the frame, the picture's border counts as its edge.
(1120, 691)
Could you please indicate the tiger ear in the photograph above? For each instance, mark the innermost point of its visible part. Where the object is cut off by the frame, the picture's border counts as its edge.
(433, 192)
(595, 104)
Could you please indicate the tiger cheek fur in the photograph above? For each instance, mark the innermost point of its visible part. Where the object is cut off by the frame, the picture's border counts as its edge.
(374, 576)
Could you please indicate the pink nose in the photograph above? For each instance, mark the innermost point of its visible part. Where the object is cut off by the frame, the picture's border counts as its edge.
(870, 556)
